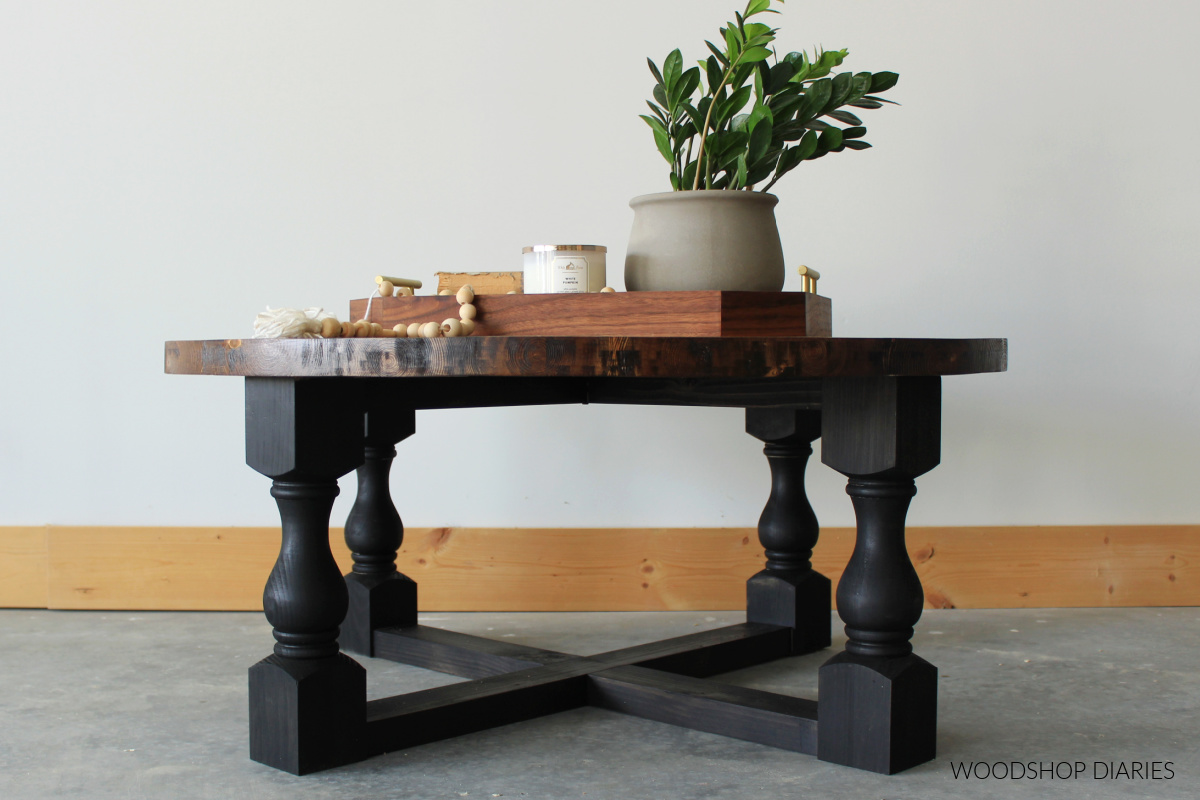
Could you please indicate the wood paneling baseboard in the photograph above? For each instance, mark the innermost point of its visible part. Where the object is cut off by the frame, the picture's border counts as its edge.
(23, 567)
(609, 569)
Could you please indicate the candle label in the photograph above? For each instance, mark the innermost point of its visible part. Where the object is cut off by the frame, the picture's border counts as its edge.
(568, 275)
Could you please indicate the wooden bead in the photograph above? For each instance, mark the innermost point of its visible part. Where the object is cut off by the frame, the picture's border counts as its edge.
(514, 291)
(466, 294)
(362, 329)
(431, 330)
(331, 328)
(468, 326)
(401, 330)
(451, 327)
(386, 289)
(347, 329)
(376, 329)
(607, 290)
(404, 291)
(445, 291)
(414, 330)
(466, 311)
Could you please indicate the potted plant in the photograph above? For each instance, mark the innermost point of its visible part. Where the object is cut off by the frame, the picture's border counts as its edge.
(756, 118)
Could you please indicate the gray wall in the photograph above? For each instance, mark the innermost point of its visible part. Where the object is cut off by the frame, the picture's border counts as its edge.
(168, 169)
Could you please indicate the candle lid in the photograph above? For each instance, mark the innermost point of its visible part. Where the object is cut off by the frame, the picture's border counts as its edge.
(542, 248)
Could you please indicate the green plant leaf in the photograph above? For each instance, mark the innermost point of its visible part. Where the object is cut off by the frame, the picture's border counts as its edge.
(789, 131)
(660, 94)
(880, 100)
(724, 146)
(816, 97)
(721, 57)
(759, 112)
(788, 161)
(761, 173)
(854, 133)
(866, 104)
(882, 81)
(842, 84)
(757, 7)
(858, 144)
(654, 71)
(740, 179)
(715, 73)
(844, 117)
(689, 174)
(784, 106)
(760, 140)
(672, 67)
(781, 73)
(683, 133)
(655, 123)
(661, 139)
(817, 125)
(741, 73)
(731, 42)
(862, 85)
(685, 86)
(819, 94)
(755, 30)
(830, 139)
(737, 101)
(806, 147)
(675, 184)
(755, 54)
(739, 122)
(658, 112)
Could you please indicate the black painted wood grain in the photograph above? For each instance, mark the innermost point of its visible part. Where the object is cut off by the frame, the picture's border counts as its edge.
(458, 653)
(772, 719)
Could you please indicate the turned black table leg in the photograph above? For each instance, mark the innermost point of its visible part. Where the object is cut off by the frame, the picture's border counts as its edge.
(307, 700)
(380, 597)
(878, 700)
(788, 591)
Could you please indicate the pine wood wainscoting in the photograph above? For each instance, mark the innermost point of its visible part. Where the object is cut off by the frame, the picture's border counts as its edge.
(597, 569)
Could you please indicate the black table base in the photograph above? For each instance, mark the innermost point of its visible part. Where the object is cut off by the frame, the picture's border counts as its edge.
(877, 709)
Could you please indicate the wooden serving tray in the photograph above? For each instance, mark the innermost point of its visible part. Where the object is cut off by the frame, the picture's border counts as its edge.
(764, 314)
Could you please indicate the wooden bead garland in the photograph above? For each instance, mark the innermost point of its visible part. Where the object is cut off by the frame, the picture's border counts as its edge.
(331, 328)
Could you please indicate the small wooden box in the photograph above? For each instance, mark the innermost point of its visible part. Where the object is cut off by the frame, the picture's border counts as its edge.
(481, 282)
(619, 313)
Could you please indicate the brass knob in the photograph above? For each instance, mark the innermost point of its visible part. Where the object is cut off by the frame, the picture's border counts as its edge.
(808, 279)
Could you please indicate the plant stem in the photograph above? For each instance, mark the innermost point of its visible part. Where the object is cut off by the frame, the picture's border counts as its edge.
(704, 133)
(688, 160)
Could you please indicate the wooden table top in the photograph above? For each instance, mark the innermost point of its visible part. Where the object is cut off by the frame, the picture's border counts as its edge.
(585, 357)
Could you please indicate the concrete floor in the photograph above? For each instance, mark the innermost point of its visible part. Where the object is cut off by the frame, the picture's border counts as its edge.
(153, 705)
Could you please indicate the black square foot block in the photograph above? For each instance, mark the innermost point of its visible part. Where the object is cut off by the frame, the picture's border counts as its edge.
(877, 714)
(388, 602)
(800, 601)
(307, 714)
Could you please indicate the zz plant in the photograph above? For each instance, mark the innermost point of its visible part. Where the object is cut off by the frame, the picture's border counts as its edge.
(757, 120)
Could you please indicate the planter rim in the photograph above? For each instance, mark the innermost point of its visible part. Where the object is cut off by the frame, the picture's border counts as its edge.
(705, 195)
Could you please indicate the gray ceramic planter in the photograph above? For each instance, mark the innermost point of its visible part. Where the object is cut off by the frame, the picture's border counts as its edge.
(706, 239)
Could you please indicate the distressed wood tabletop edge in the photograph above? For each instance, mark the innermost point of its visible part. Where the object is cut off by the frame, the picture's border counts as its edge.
(609, 356)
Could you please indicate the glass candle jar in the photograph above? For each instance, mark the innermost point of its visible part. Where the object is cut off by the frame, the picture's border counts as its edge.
(564, 268)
